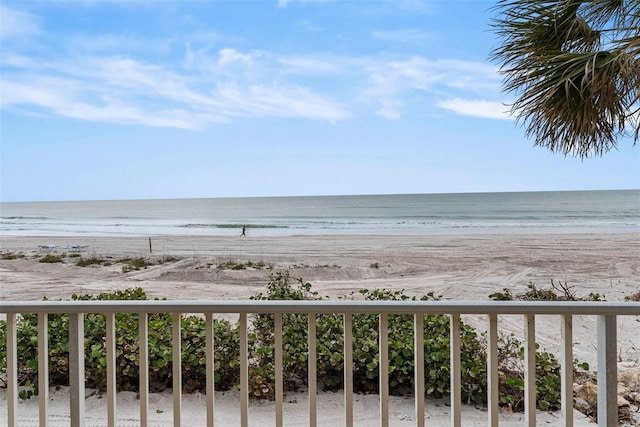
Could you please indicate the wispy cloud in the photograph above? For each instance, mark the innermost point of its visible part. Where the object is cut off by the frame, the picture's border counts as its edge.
(124, 90)
(391, 81)
(112, 78)
(476, 108)
(15, 23)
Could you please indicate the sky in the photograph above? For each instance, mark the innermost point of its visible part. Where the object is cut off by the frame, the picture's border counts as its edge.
(104, 100)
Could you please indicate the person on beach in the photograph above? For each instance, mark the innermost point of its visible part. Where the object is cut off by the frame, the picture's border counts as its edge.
(244, 232)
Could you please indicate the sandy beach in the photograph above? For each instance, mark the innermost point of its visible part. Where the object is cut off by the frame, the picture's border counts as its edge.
(457, 267)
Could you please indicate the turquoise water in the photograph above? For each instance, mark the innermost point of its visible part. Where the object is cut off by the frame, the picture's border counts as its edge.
(527, 212)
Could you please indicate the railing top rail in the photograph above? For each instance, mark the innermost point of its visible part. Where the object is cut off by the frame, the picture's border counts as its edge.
(324, 306)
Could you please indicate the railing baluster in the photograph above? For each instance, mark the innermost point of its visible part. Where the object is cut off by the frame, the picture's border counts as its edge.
(348, 370)
(143, 372)
(456, 395)
(12, 370)
(244, 372)
(607, 371)
(278, 355)
(210, 361)
(111, 369)
(43, 368)
(383, 367)
(566, 370)
(76, 369)
(606, 314)
(530, 370)
(177, 370)
(313, 376)
(418, 373)
(492, 370)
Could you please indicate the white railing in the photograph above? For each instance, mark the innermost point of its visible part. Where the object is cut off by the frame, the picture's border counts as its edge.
(606, 313)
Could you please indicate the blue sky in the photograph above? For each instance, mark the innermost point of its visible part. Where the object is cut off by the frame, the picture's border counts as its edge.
(124, 99)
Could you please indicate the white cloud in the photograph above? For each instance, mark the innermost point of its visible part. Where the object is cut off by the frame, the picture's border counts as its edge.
(125, 90)
(68, 99)
(476, 108)
(389, 109)
(391, 81)
(288, 101)
(227, 62)
(217, 85)
(229, 56)
(15, 23)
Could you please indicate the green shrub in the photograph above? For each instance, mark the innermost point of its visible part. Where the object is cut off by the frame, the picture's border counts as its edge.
(85, 262)
(11, 255)
(49, 258)
(330, 344)
(127, 359)
(511, 376)
(504, 295)
(294, 338)
(557, 292)
(239, 265)
(401, 352)
(134, 264)
(329, 351)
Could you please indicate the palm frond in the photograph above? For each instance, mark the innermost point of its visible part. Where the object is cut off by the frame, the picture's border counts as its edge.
(575, 67)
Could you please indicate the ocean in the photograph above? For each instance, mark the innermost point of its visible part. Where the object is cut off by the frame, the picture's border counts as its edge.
(611, 211)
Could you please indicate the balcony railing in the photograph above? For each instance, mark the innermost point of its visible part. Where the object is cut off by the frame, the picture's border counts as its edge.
(606, 313)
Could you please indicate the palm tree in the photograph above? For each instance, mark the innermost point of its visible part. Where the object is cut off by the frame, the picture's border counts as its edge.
(575, 68)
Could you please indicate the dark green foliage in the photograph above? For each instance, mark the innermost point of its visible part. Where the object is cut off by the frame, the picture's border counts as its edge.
(504, 295)
(329, 351)
(511, 376)
(294, 338)
(85, 262)
(134, 264)
(50, 259)
(160, 355)
(557, 292)
(330, 344)
(401, 352)
(239, 265)
(539, 294)
(11, 255)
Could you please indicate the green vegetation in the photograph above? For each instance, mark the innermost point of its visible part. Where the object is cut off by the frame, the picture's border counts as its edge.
(134, 264)
(85, 262)
(557, 292)
(160, 355)
(11, 255)
(240, 265)
(573, 67)
(329, 352)
(49, 258)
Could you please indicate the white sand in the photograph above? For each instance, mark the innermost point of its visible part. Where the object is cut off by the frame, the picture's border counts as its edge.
(456, 267)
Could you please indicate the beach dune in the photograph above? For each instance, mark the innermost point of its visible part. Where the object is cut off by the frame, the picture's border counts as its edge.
(456, 267)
